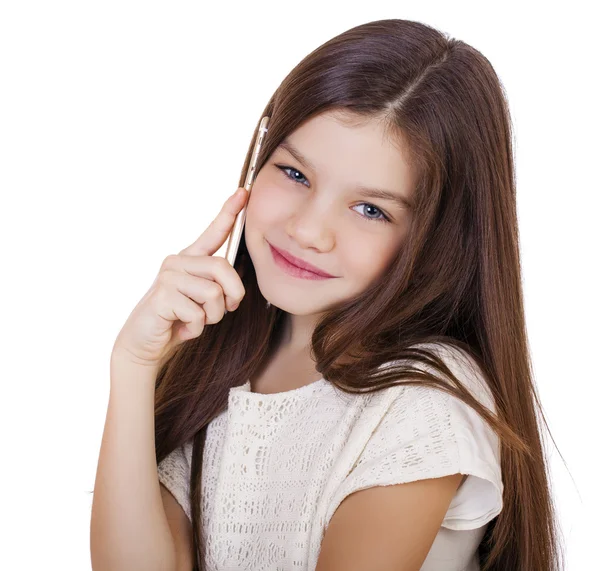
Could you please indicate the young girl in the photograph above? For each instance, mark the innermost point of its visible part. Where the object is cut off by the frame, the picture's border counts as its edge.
(363, 397)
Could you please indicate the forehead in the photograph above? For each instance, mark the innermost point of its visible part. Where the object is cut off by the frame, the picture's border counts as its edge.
(341, 125)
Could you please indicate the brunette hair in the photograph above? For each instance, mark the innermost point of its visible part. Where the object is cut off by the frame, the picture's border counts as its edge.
(456, 278)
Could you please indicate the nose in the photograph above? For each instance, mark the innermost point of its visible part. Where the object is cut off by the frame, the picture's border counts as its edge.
(310, 227)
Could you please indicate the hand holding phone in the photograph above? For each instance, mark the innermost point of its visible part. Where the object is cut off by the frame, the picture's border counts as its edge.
(190, 291)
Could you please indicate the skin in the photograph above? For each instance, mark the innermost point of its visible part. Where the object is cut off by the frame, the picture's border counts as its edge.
(320, 217)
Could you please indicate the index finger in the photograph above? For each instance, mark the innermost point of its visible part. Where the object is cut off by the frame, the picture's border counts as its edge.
(218, 230)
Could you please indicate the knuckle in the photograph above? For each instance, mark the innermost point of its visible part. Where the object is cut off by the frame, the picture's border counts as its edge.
(168, 262)
(214, 291)
(222, 261)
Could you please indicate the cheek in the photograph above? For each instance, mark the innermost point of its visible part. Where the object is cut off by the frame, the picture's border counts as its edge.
(264, 204)
(367, 258)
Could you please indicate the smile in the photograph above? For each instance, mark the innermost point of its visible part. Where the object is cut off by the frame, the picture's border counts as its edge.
(293, 270)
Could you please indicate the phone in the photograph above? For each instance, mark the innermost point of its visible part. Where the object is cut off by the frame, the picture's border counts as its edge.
(238, 226)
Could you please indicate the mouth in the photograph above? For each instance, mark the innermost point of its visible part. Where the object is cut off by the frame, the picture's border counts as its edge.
(297, 267)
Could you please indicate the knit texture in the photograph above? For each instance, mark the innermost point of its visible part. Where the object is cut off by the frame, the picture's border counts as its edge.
(277, 466)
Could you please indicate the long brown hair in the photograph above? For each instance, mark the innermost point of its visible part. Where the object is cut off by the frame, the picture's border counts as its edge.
(456, 278)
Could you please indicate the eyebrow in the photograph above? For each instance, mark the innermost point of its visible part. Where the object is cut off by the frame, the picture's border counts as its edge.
(363, 191)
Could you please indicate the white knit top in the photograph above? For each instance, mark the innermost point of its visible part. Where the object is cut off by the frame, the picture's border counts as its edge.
(276, 467)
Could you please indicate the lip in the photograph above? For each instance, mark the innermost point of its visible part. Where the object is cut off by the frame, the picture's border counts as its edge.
(300, 264)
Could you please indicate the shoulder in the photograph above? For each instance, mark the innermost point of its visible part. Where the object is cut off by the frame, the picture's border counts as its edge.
(424, 432)
(464, 365)
(434, 408)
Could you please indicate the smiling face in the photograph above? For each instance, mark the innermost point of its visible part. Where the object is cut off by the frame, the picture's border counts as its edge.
(307, 200)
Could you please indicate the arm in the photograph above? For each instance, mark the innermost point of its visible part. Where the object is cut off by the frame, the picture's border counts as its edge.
(387, 528)
(129, 527)
(181, 530)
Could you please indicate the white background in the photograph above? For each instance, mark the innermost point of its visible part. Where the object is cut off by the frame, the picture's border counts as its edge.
(123, 128)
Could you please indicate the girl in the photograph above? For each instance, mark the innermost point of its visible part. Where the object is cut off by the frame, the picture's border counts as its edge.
(370, 403)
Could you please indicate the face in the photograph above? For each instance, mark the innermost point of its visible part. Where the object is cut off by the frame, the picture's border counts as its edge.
(307, 201)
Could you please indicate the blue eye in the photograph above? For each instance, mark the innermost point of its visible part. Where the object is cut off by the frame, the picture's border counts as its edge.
(284, 169)
(299, 180)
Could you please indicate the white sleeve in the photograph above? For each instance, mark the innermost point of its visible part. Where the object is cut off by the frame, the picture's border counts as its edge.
(426, 433)
(174, 473)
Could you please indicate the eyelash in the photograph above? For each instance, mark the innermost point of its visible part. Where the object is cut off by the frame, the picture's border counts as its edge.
(284, 168)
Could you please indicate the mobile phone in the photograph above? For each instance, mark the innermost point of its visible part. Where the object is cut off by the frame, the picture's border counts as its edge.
(238, 226)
